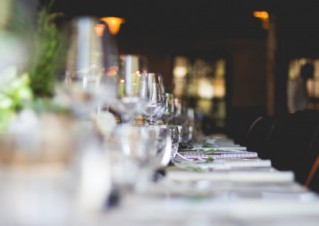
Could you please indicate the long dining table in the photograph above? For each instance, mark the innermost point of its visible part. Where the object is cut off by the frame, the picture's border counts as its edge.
(238, 188)
(213, 182)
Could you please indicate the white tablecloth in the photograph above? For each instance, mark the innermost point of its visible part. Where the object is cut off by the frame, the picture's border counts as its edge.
(239, 194)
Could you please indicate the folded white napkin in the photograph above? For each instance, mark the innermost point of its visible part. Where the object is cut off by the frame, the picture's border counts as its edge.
(233, 176)
(238, 163)
(220, 148)
(226, 164)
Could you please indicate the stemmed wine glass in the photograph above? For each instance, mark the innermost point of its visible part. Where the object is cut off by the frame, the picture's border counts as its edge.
(132, 88)
(170, 108)
(181, 108)
(86, 85)
(156, 100)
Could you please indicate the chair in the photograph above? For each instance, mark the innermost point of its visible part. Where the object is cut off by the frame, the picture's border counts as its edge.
(312, 181)
(293, 143)
(258, 135)
(303, 137)
(277, 143)
(308, 172)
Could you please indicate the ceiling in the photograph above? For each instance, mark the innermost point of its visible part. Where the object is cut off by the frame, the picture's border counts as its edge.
(173, 18)
(296, 21)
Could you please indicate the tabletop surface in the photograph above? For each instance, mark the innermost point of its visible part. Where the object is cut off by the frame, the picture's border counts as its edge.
(194, 191)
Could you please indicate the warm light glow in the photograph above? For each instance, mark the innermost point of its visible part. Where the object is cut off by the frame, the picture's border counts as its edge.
(180, 67)
(205, 88)
(179, 87)
(219, 88)
(114, 23)
(112, 71)
(180, 72)
(205, 105)
(99, 29)
(220, 69)
(263, 16)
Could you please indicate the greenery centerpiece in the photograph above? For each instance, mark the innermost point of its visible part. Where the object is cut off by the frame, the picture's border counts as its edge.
(33, 86)
(31, 119)
(49, 45)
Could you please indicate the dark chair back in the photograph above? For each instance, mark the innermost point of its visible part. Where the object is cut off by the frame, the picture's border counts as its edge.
(258, 135)
(312, 180)
(291, 141)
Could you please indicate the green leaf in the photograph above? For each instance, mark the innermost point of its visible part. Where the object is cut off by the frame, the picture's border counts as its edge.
(193, 168)
(6, 116)
(209, 159)
(207, 145)
(42, 105)
(209, 151)
(49, 47)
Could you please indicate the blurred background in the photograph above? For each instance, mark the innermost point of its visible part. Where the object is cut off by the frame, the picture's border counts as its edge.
(230, 59)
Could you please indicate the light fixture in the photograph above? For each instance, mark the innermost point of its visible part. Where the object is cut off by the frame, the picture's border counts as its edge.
(114, 23)
(264, 17)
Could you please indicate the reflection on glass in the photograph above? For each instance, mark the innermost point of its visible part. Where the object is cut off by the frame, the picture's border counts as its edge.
(87, 84)
(132, 92)
(135, 153)
(156, 101)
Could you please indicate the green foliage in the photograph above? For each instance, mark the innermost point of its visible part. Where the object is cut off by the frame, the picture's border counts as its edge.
(33, 87)
(207, 145)
(209, 151)
(209, 159)
(43, 105)
(16, 93)
(49, 45)
(195, 169)
(6, 116)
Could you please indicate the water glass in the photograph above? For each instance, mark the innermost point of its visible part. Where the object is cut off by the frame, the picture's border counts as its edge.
(175, 137)
(170, 108)
(131, 150)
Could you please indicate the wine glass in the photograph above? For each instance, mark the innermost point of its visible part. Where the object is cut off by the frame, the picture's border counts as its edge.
(162, 141)
(156, 100)
(184, 118)
(86, 85)
(132, 91)
(170, 108)
(175, 139)
(180, 112)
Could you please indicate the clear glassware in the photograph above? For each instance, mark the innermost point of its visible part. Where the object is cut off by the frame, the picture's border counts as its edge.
(132, 91)
(173, 132)
(170, 108)
(132, 152)
(175, 138)
(156, 100)
(181, 109)
(87, 84)
(162, 141)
